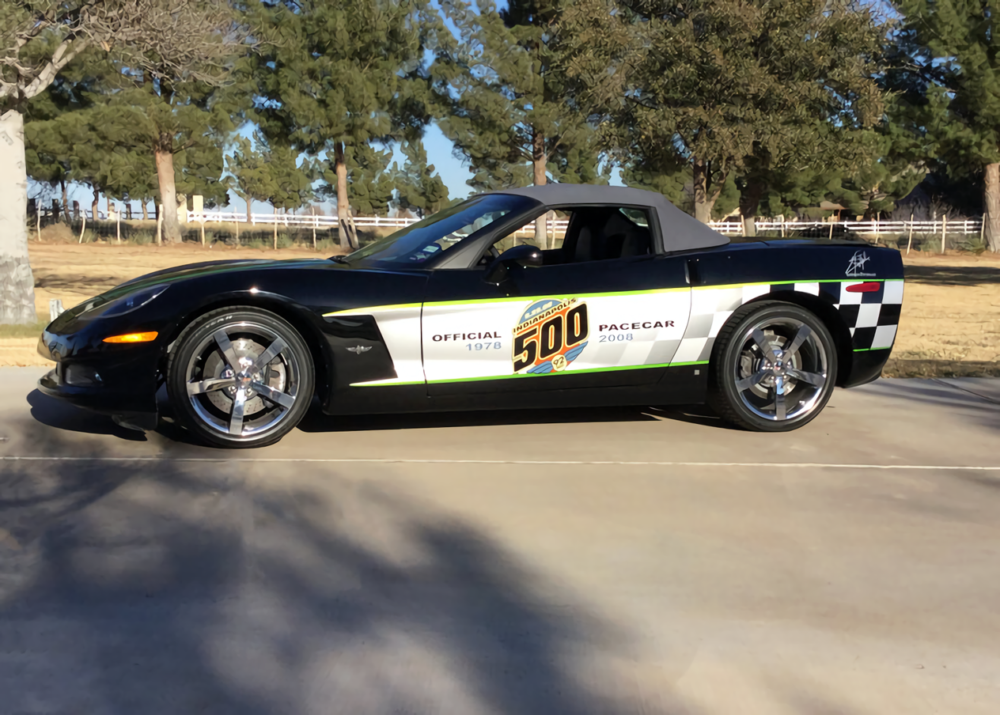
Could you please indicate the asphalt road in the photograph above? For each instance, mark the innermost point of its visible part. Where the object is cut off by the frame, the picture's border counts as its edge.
(584, 561)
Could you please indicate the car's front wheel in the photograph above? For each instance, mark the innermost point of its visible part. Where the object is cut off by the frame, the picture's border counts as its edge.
(240, 377)
(774, 367)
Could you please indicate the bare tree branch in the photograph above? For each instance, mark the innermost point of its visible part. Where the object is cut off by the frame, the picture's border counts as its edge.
(170, 39)
(64, 54)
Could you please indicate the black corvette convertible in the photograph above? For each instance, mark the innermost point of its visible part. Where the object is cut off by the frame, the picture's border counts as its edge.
(640, 305)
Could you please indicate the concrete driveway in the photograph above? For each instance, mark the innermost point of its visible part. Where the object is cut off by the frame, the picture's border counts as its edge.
(584, 561)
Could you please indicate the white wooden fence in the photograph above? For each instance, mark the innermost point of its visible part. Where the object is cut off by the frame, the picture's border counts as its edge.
(327, 222)
(963, 227)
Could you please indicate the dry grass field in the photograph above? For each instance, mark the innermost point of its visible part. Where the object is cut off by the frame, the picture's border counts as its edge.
(950, 323)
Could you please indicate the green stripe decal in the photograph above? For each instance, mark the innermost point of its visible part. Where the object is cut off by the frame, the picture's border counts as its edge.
(614, 368)
(375, 309)
(785, 283)
(869, 350)
(519, 299)
(616, 294)
(385, 383)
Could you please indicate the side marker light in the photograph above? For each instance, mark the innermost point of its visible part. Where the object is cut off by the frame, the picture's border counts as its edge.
(132, 338)
(863, 288)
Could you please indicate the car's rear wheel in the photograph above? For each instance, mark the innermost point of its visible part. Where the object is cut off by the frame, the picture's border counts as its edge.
(240, 377)
(774, 367)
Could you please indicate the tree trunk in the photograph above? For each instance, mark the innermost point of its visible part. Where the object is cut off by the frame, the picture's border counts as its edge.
(249, 215)
(95, 205)
(65, 201)
(145, 212)
(347, 238)
(17, 286)
(538, 161)
(704, 197)
(991, 201)
(168, 189)
(750, 197)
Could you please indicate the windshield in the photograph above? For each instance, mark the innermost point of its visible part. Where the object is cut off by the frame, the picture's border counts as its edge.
(415, 244)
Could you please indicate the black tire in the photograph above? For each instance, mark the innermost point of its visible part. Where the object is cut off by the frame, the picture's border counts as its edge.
(274, 372)
(745, 378)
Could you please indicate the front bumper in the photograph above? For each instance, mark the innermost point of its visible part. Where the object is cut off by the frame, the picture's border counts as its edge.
(116, 380)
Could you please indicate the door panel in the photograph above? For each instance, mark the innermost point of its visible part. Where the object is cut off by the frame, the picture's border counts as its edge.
(557, 327)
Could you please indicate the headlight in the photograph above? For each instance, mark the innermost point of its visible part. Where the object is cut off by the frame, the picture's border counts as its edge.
(125, 304)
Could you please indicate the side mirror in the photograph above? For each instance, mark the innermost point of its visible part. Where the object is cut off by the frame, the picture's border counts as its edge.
(526, 256)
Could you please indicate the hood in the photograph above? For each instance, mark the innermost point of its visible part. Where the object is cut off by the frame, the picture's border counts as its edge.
(178, 273)
(194, 270)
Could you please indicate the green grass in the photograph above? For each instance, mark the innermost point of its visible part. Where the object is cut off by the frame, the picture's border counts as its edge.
(23, 331)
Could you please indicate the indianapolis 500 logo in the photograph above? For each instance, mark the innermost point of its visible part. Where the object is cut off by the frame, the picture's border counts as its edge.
(550, 335)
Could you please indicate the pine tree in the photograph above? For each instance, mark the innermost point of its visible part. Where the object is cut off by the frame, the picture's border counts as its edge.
(369, 180)
(45, 157)
(249, 177)
(418, 188)
(48, 143)
(677, 184)
(728, 87)
(181, 125)
(954, 50)
(342, 74)
(291, 177)
(511, 110)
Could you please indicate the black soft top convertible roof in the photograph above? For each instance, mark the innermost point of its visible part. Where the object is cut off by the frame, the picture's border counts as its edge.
(681, 232)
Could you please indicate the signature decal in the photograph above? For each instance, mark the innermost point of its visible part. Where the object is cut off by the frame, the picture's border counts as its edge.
(856, 266)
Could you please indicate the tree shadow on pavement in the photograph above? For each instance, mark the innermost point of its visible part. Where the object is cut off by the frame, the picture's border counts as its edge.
(316, 421)
(961, 404)
(60, 415)
(168, 588)
(953, 275)
(55, 413)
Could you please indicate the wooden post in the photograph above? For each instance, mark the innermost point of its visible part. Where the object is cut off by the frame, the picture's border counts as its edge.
(944, 232)
(315, 224)
(909, 243)
(38, 224)
(831, 228)
(203, 231)
(782, 225)
(83, 228)
(275, 229)
(237, 232)
(982, 231)
(159, 228)
(118, 226)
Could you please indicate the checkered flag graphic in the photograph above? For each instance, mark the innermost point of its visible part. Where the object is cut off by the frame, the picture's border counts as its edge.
(871, 316)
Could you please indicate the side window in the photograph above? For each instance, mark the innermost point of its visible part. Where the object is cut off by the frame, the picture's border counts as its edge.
(552, 242)
(584, 235)
(608, 233)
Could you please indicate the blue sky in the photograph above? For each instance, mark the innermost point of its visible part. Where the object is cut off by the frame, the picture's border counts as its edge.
(440, 154)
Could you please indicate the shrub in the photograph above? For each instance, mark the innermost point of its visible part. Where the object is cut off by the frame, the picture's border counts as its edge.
(973, 244)
(141, 238)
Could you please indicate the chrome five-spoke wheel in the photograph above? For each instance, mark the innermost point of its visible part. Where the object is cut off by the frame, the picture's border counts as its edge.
(774, 367)
(243, 377)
